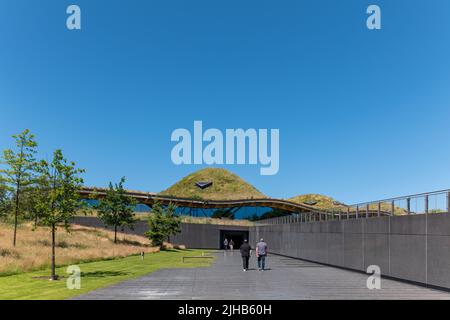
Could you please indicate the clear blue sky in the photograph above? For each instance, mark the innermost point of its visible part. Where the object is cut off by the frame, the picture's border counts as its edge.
(362, 114)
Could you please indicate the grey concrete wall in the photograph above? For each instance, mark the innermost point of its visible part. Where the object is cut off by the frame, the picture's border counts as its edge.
(201, 236)
(414, 248)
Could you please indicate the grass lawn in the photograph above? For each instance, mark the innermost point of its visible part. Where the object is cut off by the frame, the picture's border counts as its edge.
(95, 275)
(82, 244)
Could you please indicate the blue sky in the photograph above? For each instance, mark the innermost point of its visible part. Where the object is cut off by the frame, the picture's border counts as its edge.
(362, 114)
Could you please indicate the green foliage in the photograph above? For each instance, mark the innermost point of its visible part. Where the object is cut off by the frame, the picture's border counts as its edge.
(95, 275)
(226, 186)
(319, 201)
(59, 183)
(20, 163)
(35, 196)
(163, 223)
(58, 200)
(5, 200)
(116, 209)
(20, 169)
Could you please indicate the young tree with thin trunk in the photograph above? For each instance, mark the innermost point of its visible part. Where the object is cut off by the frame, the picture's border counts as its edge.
(162, 222)
(20, 170)
(60, 182)
(116, 208)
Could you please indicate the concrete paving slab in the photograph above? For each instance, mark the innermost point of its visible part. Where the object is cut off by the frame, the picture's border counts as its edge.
(287, 278)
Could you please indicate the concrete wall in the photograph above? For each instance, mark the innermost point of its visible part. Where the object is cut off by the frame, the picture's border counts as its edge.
(414, 248)
(201, 236)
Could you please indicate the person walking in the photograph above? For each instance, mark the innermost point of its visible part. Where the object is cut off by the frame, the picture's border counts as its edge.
(231, 244)
(261, 254)
(246, 252)
(225, 244)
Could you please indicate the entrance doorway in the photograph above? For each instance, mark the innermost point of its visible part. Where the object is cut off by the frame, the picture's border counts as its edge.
(237, 236)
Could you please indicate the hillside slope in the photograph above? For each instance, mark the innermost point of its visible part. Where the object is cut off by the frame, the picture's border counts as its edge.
(318, 201)
(226, 186)
(33, 250)
(329, 204)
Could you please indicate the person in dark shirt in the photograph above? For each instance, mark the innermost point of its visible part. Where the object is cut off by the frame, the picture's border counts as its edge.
(231, 244)
(246, 252)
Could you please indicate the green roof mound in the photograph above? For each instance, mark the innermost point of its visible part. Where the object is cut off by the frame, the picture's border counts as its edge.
(318, 201)
(322, 202)
(225, 186)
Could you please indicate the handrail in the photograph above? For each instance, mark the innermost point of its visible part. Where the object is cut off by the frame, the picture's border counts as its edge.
(412, 196)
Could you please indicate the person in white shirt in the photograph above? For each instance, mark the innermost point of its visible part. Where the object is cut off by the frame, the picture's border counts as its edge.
(261, 254)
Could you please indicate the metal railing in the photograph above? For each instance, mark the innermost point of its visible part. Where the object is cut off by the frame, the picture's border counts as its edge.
(422, 203)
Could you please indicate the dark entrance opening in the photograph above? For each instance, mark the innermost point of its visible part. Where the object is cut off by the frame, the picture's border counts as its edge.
(237, 236)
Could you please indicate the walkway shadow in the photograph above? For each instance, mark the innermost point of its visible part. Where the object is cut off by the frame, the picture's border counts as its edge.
(177, 250)
(132, 243)
(103, 274)
(169, 250)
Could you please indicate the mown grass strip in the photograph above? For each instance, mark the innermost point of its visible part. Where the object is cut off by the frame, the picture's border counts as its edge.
(95, 275)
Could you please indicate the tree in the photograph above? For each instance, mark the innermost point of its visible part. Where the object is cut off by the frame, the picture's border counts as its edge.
(5, 200)
(36, 194)
(173, 221)
(116, 208)
(163, 222)
(20, 169)
(59, 200)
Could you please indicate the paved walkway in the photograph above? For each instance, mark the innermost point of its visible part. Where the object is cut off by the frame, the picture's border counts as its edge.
(286, 279)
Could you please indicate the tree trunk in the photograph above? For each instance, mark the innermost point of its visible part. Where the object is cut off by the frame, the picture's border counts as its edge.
(16, 213)
(115, 233)
(53, 253)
